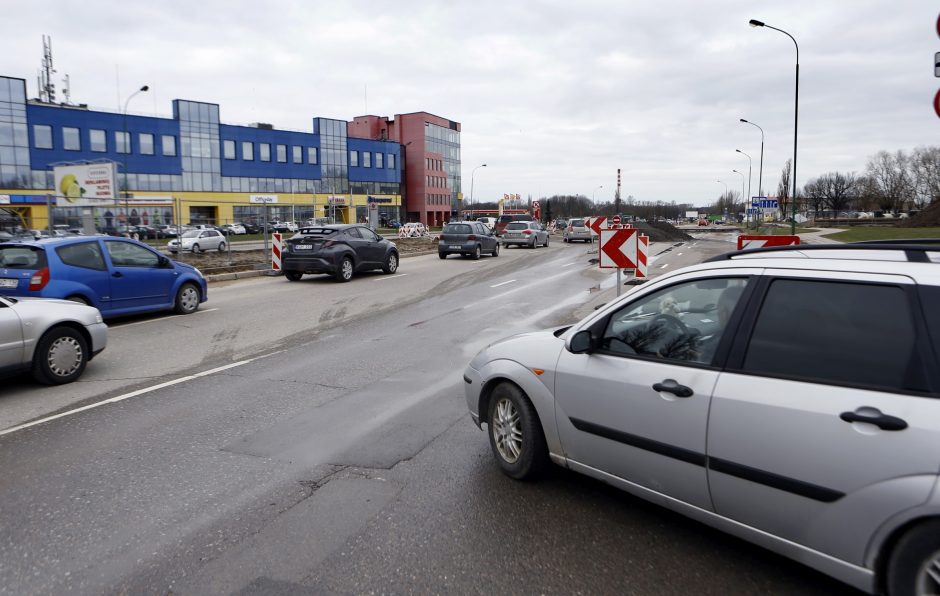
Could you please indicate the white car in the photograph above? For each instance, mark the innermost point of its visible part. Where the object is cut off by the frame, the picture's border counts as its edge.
(198, 241)
(53, 339)
(413, 230)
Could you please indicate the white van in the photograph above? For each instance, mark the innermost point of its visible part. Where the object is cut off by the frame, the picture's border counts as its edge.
(489, 222)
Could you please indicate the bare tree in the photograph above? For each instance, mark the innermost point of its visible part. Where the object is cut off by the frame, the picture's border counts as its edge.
(835, 189)
(891, 179)
(814, 194)
(783, 187)
(925, 171)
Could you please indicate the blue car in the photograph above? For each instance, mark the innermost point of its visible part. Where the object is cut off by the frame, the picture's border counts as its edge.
(118, 276)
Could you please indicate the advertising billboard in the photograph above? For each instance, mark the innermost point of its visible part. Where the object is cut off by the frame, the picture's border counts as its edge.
(85, 185)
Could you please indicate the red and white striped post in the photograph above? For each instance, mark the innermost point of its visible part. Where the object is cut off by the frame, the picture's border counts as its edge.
(276, 252)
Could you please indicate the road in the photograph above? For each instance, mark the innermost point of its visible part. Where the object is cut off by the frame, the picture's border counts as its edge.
(312, 437)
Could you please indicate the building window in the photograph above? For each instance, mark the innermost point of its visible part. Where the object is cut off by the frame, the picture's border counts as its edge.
(353, 159)
(312, 155)
(378, 160)
(71, 140)
(228, 149)
(169, 145)
(248, 151)
(42, 136)
(264, 151)
(145, 140)
(367, 159)
(391, 161)
(298, 153)
(121, 141)
(99, 141)
(282, 154)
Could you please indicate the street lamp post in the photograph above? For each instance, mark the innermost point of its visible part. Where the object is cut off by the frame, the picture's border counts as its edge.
(127, 150)
(796, 109)
(760, 174)
(749, 170)
(742, 190)
(593, 194)
(474, 171)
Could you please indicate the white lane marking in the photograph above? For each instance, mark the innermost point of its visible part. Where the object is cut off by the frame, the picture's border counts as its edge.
(679, 254)
(130, 395)
(570, 264)
(390, 277)
(121, 326)
(664, 266)
(503, 283)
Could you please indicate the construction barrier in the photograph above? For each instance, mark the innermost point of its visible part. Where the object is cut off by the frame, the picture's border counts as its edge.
(746, 241)
(642, 256)
(276, 251)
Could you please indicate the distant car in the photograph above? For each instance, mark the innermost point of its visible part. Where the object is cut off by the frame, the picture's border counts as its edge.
(524, 233)
(284, 226)
(413, 230)
(198, 241)
(339, 250)
(233, 229)
(52, 339)
(560, 225)
(394, 224)
(489, 222)
(503, 220)
(577, 230)
(118, 276)
(467, 238)
(251, 228)
(146, 232)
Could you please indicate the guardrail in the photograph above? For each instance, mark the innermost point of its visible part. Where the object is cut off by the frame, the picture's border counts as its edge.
(843, 222)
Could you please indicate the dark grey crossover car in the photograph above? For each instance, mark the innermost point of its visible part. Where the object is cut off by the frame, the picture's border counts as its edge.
(468, 238)
(339, 250)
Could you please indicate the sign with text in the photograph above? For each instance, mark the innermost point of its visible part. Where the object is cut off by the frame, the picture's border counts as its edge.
(262, 199)
(618, 249)
(85, 185)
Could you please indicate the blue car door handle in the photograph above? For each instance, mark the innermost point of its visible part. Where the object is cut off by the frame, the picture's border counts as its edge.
(117, 274)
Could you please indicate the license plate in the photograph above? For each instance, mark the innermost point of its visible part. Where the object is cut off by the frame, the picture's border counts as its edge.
(455, 247)
(303, 247)
(9, 283)
(513, 235)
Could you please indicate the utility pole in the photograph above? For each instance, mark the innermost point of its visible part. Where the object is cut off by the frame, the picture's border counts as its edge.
(617, 195)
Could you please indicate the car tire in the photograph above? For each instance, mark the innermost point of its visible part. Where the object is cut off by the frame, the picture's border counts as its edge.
(221, 246)
(196, 249)
(293, 275)
(515, 432)
(496, 250)
(60, 356)
(505, 245)
(534, 243)
(546, 242)
(344, 272)
(442, 255)
(914, 557)
(565, 240)
(187, 299)
(475, 255)
(391, 263)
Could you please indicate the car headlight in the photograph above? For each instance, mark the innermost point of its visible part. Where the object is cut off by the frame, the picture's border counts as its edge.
(98, 318)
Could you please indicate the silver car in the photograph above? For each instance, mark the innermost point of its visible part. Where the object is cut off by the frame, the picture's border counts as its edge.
(790, 397)
(524, 233)
(198, 241)
(53, 339)
(577, 230)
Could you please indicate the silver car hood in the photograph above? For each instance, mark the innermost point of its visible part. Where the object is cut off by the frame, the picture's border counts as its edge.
(538, 346)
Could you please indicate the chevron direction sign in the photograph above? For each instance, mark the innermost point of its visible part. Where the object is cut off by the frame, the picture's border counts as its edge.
(597, 224)
(618, 249)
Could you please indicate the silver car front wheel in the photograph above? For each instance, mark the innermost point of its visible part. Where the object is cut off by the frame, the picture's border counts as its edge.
(515, 433)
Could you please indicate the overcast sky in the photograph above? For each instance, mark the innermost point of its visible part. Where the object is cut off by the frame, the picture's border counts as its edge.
(553, 96)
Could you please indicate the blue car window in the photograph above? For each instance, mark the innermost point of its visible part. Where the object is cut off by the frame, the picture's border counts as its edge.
(22, 257)
(85, 254)
(125, 254)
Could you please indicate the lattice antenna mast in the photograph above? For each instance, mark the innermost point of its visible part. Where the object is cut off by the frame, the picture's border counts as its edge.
(46, 86)
(617, 195)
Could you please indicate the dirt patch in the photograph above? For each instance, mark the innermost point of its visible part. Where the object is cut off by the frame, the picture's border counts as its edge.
(928, 218)
(210, 263)
(660, 231)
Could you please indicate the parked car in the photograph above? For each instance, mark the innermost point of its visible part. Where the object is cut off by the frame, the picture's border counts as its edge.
(577, 230)
(251, 228)
(118, 276)
(198, 241)
(394, 224)
(339, 250)
(283, 226)
(52, 339)
(744, 393)
(146, 232)
(413, 230)
(467, 238)
(233, 229)
(524, 233)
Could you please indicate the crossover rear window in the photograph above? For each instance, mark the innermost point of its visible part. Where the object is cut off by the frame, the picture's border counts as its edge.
(22, 257)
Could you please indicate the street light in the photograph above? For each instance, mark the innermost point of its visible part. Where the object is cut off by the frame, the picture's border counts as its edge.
(593, 193)
(760, 174)
(127, 150)
(742, 190)
(749, 169)
(796, 109)
(474, 171)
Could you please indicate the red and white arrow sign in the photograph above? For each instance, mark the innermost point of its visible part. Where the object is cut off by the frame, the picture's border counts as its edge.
(597, 224)
(618, 249)
(642, 256)
(747, 241)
